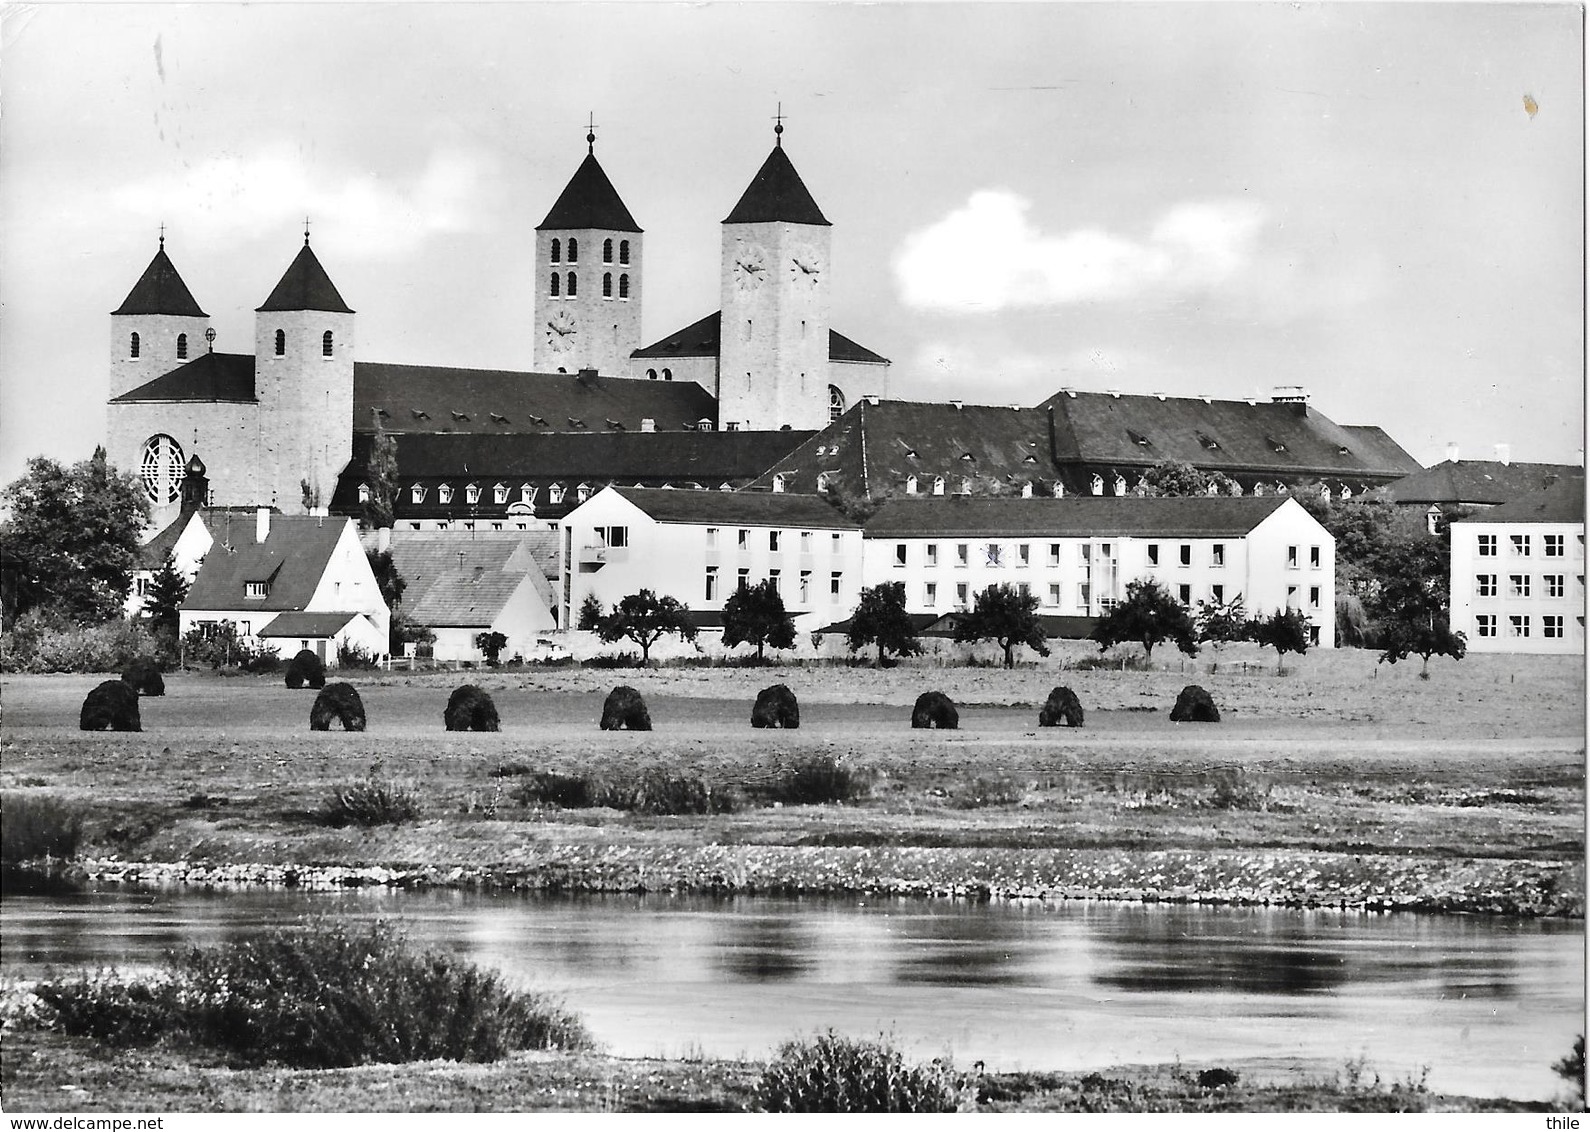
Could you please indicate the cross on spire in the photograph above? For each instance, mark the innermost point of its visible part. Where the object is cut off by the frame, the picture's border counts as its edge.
(778, 128)
(162, 235)
(306, 231)
(590, 133)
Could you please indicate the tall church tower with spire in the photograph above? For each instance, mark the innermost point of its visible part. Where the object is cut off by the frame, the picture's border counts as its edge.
(156, 328)
(588, 275)
(773, 364)
(303, 380)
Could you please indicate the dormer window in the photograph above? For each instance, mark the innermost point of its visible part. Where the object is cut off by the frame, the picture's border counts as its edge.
(607, 251)
(1209, 442)
(364, 493)
(822, 482)
(557, 253)
(527, 493)
(574, 251)
(1059, 490)
(582, 493)
(281, 343)
(1275, 445)
(182, 347)
(499, 493)
(779, 481)
(1098, 485)
(910, 485)
(256, 589)
(555, 493)
(1120, 485)
(938, 485)
(1258, 489)
(1347, 492)
(132, 350)
(472, 494)
(1138, 438)
(1026, 490)
(417, 493)
(966, 485)
(325, 345)
(444, 494)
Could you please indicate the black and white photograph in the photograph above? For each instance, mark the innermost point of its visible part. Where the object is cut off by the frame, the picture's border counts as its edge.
(792, 557)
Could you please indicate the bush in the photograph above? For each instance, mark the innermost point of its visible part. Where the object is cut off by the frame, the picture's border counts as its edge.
(565, 791)
(982, 792)
(305, 670)
(1235, 789)
(836, 1074)
(370, 803)
(1571, 1067)
(220, 646)
(815, 781)
(42, 641)
(651, 790)
(320, 997)
(37, 825)
(355, 656)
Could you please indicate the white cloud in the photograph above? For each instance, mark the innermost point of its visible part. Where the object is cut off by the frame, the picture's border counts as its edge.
(987, 255)
(230, 199)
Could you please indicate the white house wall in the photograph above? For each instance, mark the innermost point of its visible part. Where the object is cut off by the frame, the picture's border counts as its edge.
(348, 584)
(1518, 623)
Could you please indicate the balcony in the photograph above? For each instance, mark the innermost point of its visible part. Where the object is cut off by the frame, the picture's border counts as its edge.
(597, 555)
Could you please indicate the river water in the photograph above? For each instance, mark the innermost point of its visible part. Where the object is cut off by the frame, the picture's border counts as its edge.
(1486, 1003)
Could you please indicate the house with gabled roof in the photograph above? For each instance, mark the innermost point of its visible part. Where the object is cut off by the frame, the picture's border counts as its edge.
(488, 582)
(701, 546)
(292, 581)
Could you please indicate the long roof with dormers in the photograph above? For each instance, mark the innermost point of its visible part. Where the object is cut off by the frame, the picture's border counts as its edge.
(589, 200)
(305, 287)
(777, 193)
(160, 290)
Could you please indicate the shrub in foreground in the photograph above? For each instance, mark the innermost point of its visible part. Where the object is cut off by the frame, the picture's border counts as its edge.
(814, 781)
(112, 706)
(337, 702)
(838, 1074)
(319, 997)
(470, 708)
(370, 803)
(306, 670)
(143, 676)
(652, 790)
(37, 825)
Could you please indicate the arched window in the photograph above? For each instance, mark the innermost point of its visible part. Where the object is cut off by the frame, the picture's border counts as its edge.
(557, 250)
(162, 468)
(668, 375)
(573, 286)
(1026, 490)
(938, 485)
(607, 251)
(417, 493)
(444, 494)
(607, 285)
(557, 281)
(133, 351)
(555, 493)
(1258, 489)
(325, 344)
(574, 250)
(1120, 485)
(623, 286)
(582, 493)
(527, 493)
(822, 482)
(281, 343)
(910, 485)
(472, 494)
(779, 481)
(652, 374)
(182, 347)
(499, 493)
(1098, 484)
(623, 252)
(836, 403)
(1059, 490)
(364, 493)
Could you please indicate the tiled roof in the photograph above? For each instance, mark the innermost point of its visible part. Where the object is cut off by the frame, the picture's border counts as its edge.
(753, 509)
(1285, 439)
(458, 581)
(217, 520)
(306, 624)
(1562, 502)
(208, 377)
(1101, 516)
(704, 337)
(442, 399)
(589, 201)
(776, 193)
(292, 559)
(305, 287)
(1477, 481)
(160, 290)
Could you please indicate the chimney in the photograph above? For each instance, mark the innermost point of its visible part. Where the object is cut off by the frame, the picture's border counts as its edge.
(956, 403)
(383, 539)
(870, 398)
(262, 523)
(648, 424)
(1504, 454)
(1294, 395)
(1452, 451)
(587, 375)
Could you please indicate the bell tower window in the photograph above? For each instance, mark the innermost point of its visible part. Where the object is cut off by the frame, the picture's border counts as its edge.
(573, 285)
(623, 286)
(182, 347)
(574, 250)
(607, 285)
(132, 351)
(556, 280)
(623, 252)
(557, 250)
(607, 251)
(281, 343)
(325, 344)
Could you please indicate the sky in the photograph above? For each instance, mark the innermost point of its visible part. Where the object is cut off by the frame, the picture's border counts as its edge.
(1383, 203)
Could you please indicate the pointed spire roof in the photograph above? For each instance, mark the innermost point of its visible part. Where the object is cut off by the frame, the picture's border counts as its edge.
(777, 193)
(589, 201)
(305, 287)
(160, 290)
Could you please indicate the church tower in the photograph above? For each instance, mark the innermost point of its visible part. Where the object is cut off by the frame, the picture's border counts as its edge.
(773, 360)
(303, 379)
(588, 277)
(156, 328)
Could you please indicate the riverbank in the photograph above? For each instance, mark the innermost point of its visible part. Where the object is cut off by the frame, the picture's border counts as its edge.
(177, 1080)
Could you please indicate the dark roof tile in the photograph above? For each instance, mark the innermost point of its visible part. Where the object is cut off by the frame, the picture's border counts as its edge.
(776, 193)
(1477, 481)
(589, 201)
(306, 624)
(160, 290)
(208, 377)
(305, 287)
(1562, 502)
(292, 558)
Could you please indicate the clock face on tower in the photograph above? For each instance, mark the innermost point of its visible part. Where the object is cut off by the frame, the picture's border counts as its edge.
(805, 265)
(561, 330)
(749, 267)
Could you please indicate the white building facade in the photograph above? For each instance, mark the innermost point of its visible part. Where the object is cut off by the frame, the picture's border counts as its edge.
(700, 546)
(1518, 574)
(1077, 555)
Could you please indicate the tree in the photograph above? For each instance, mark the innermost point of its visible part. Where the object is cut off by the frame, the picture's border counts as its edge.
(1222, 622)
(880, 618)
(590, 615)
(1178, 477)
(644, 618)
(755, 615)
(401, 628)
(1003, 613)
(1148, 616)
(74, 533)
(1285, 630)
(1404, 637)
(380, 476)
(491, 644)
(167, 591)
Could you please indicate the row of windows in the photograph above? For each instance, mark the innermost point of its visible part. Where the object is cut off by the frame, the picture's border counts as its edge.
(574, 251)
(803, 590)
(994, 554)
(775, 540)
(571, 288)
(135, 346)
(1519, 585)
(326, 344)
(527, 492)
(1552, 546)
(1552, 625)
